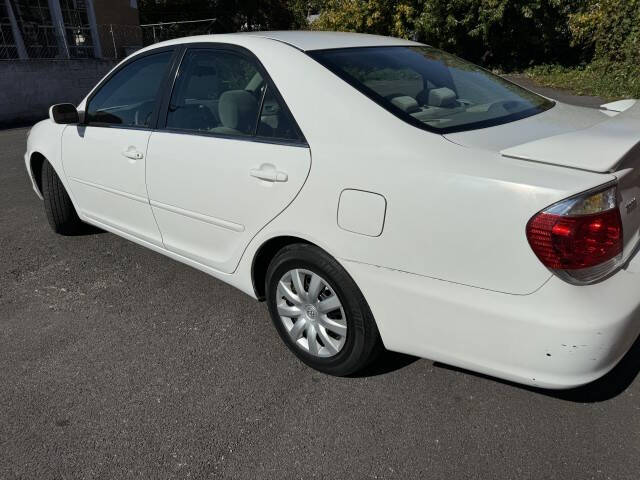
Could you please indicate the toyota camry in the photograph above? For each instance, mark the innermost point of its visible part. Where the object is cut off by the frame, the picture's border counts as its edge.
(375, 192)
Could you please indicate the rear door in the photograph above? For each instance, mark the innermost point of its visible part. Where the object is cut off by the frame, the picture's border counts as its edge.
(227, 157)
(105, 158)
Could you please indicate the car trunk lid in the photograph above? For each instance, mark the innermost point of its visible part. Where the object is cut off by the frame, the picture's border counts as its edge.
(602, 141)
(574, 137)
(611, 146)
(599, 148)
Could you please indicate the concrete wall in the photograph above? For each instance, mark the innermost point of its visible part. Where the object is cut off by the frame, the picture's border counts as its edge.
(29, 88)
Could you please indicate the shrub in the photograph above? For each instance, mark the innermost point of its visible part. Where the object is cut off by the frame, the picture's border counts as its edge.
(510, 34)
(610, 29)
(606, 79)
(381, 17)
(503, 33)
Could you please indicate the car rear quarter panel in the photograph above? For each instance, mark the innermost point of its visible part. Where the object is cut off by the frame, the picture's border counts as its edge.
(453, 213)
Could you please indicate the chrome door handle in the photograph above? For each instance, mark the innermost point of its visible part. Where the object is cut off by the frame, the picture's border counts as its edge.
(133, 154)
(269, 174)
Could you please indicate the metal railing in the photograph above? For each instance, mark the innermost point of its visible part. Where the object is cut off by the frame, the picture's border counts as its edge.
(114, 41)
(158, 32)
(119, 41)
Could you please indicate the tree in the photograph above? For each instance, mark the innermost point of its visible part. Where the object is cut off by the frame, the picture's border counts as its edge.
(382, 17)
(608, 29)
(503, 33)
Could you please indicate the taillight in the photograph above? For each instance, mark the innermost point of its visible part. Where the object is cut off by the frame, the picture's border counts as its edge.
(579, 238)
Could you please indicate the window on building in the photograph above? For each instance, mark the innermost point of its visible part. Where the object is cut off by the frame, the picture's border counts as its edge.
(36, 26)
(8, 49)
(41, 29)
(77, 28)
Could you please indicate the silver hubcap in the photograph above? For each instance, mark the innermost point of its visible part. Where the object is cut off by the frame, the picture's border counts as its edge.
(311, 313)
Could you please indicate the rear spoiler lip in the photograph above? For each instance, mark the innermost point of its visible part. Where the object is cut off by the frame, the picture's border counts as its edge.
(619, 106)
(600, 148)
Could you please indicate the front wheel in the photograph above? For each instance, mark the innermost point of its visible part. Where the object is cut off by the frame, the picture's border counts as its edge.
(61, 214)
(319, 311)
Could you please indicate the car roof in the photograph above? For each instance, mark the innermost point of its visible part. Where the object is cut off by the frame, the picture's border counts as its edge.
(315, 40)
(300, 39)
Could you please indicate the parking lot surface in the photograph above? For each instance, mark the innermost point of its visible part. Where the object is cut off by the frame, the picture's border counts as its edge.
(116, 362)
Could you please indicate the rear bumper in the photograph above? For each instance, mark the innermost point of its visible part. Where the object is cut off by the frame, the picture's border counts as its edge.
(561, 336)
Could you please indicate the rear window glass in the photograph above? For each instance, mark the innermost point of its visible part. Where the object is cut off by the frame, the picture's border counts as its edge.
(432, 89)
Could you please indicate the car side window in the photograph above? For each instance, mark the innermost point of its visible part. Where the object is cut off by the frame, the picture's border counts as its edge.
(275, 121)
(129, 97)
(216, 92)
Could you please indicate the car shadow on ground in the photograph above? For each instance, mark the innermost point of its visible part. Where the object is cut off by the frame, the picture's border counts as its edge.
(85, 230)
(610, 386)
(387, 362)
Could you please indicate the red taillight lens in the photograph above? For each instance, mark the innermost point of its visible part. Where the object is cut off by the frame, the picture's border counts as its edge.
(580, 237)
(569, 243)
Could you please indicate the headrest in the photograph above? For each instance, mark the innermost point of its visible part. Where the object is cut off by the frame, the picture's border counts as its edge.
(406, 104)
(441, 97)
(238, 109)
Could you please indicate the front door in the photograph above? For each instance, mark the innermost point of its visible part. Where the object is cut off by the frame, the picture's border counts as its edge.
(105, 158)
(229, 159)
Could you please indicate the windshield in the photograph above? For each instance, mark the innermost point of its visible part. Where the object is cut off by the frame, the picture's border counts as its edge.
(432, 89)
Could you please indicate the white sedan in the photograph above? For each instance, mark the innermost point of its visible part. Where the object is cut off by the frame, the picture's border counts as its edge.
(376, 192)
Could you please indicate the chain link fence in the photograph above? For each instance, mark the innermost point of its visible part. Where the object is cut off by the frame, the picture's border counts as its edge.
(158, 32)
(118, 41)
(114, 41)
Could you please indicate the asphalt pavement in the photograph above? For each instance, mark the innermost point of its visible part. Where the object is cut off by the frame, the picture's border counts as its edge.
(116, 362)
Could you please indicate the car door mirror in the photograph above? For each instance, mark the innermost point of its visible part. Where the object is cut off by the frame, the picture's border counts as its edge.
(64, 113)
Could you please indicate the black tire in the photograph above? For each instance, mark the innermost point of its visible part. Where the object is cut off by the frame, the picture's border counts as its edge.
(61, 214)
(362, 342)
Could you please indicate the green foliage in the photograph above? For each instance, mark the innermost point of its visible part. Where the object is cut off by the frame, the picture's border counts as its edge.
(301, 9)
(610, 29)
(596, 41)
(606, 79)
(381, 17)
(607, 35)
(509, 34)
(492, 32)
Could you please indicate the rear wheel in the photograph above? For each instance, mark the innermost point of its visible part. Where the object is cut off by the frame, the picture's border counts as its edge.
(320, 312)
(61, 214)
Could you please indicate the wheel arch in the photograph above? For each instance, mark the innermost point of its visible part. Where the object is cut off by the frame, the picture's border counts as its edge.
(36, 162)
(263, 257)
